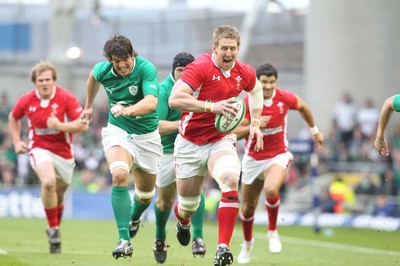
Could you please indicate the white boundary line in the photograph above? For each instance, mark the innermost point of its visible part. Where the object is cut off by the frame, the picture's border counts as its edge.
(328, 245)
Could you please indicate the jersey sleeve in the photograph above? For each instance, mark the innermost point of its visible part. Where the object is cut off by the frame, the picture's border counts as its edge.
(18, 110)
(251, 77)
(291, 100)
(150, 80)
(100, 70)
(73, 107)
(193, 75)
(396, 103)
(162, 106)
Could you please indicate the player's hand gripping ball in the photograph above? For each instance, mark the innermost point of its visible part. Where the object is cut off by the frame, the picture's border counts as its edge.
(115, 109)
(226, 124)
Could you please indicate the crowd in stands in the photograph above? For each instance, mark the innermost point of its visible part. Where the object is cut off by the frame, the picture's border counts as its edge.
(350, 141)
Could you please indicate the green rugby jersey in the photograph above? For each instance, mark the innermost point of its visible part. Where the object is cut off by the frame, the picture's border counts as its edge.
(396, 103)
(166, 113)
(128, 90)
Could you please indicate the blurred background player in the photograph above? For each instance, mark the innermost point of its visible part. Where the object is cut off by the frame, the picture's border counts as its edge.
(130, 140)
(166, 183)
(207, 87)
(53, 113)
(267, 169)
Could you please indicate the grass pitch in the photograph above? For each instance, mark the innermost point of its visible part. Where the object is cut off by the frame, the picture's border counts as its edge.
(90, 242)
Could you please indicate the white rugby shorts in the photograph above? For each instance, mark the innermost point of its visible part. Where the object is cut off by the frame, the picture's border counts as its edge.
(252, 169)
(191, 159)
(64, 168)
(166, 175)
(145, 149)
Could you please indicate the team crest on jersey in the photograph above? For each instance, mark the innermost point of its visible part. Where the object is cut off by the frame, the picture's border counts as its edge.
(280, 105)
(238, 80)
(54, 106)
(133, 90)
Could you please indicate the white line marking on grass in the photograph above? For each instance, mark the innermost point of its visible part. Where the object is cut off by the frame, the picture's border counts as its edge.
(3, 251)
(324, 244)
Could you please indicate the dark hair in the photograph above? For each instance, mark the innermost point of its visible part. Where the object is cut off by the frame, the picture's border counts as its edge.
(267, 70)
(120, 46)
(182, 60)
(41, 67)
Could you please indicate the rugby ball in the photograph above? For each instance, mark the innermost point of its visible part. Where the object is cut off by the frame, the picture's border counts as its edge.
(224, 124)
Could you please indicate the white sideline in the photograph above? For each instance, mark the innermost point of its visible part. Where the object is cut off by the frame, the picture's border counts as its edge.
(323, 244)
(3, 252)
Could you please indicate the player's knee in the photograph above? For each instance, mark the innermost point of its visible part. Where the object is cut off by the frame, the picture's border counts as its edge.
(246, 214)
(270, 191)
(226, 172)
(188, 204)
(119, 171)
(248, 208)
(165, 204)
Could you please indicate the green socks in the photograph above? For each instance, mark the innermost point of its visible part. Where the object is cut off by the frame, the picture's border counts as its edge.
(161, 222)
(121, 203)
(137, 209)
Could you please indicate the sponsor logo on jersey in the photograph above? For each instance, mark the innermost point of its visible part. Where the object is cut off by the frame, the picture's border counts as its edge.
(216, 77)
(271, 131)
(110, 90)
(46, 131)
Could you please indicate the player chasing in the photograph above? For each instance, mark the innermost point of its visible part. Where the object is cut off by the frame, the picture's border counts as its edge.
(131, 141)
(53, 113)
(205, 88)
(267, 169)
(166, 179)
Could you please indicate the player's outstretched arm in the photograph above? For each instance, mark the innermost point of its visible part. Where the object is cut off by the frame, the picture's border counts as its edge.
(384, 117)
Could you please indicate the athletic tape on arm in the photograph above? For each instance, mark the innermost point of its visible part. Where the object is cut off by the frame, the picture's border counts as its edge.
(256, 97)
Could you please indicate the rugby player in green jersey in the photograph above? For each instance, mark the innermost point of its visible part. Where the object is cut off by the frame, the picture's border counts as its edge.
(166, 179)
(131, 140)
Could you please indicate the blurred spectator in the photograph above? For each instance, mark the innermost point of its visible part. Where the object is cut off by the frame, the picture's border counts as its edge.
(343, 195)
(388, 184)
(327, 203)
(5, 108)
(367, 118)
(366, 185)
(344, 113)
(355, 146)
(384, 207)
(8, 163)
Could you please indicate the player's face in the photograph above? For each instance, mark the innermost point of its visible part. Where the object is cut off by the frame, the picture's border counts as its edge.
(178, 72)
(226, 52)
(268, 83)
(45, 84)
(123, 66)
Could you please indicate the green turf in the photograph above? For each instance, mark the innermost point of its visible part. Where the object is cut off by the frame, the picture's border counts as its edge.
(87, 242)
